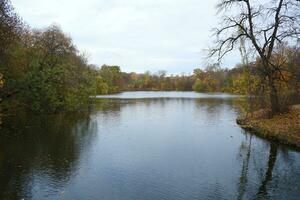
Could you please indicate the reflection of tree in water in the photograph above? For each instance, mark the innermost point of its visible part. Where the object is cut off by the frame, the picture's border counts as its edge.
(264, 180)
(243, 180)
(246, 173)
(49, 145)
(262, 191)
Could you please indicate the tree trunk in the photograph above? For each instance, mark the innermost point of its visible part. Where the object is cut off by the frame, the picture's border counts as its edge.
(274, 100)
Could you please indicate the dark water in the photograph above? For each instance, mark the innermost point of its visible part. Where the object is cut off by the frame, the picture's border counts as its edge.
(144, 149)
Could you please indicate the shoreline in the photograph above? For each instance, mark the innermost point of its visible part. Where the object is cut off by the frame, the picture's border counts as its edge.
(281, 128)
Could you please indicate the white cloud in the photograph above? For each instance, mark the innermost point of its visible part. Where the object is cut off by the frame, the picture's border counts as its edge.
(138, 35)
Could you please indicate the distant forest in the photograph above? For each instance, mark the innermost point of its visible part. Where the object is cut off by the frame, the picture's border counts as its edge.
(42, 70)
(111, 79)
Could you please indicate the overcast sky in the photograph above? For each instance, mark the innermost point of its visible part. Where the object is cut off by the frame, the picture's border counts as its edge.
(137, 35)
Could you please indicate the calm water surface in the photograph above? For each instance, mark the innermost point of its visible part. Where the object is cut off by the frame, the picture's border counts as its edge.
(144, 146)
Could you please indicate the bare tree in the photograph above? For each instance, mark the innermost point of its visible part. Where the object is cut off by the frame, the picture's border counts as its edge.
(262, 25)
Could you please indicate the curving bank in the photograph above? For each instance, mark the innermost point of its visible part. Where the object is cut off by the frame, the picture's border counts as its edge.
(283, 128)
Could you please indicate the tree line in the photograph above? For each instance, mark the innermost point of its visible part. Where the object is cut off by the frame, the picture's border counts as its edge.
(213, 78)
(42, 70)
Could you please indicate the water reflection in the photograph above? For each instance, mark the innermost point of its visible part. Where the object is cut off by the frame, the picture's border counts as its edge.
(128, 149)
(43, 146)
(243, 179)
(268, 170)
(262, 191)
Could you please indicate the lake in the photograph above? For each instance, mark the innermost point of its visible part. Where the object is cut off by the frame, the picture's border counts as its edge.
(144, 146)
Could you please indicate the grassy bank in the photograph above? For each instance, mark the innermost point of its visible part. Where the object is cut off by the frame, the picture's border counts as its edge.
(284, 128)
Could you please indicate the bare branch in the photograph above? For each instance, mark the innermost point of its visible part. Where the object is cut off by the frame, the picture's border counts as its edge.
(277, 22)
